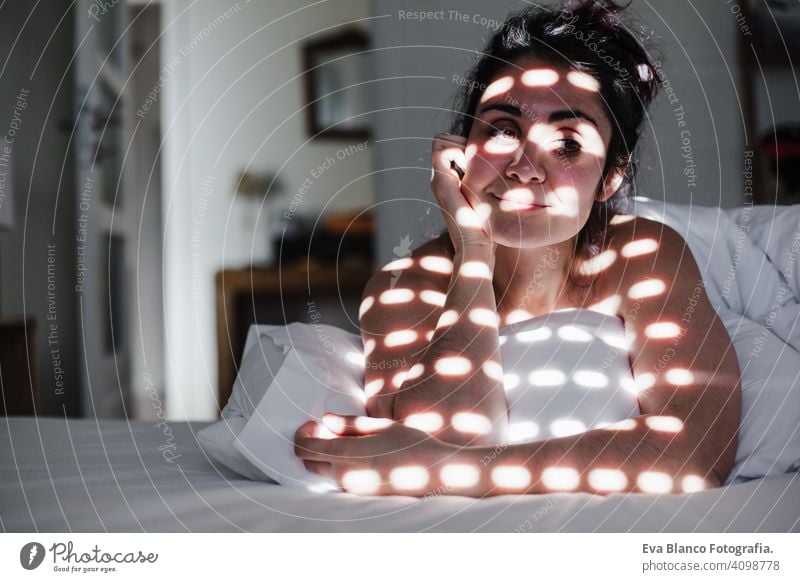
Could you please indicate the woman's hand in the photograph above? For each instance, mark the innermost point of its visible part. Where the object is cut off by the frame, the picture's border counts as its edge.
(373, 456)
(465, 223)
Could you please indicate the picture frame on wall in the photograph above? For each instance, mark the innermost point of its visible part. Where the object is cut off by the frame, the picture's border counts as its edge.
(336, 70)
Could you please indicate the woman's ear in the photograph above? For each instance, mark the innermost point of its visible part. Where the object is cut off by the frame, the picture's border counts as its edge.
(612, 182)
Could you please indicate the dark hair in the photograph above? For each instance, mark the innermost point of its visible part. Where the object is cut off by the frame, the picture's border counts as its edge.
(585, 36)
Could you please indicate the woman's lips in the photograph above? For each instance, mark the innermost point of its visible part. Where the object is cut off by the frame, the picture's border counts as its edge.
(508, 205)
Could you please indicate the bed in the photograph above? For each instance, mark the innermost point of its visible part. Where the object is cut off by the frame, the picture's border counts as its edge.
(74, 475)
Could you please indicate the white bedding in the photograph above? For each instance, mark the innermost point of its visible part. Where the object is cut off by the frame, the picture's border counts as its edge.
(115, 476)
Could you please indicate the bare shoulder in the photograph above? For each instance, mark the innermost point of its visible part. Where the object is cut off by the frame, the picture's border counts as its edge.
(635, 241)
(427, 267)
(639, 251)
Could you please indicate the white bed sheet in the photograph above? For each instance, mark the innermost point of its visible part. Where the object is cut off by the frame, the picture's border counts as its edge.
(88, 476)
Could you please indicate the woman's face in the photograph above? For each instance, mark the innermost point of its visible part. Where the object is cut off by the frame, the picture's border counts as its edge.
(536, 153)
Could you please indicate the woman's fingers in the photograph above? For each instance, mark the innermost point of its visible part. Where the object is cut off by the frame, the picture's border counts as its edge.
(308, 446)
(445, 179)
(343, 425)
(319, 468)
(465, 223)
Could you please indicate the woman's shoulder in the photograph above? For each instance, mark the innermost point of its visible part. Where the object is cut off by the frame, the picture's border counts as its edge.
(631, 237)
(640, 250)
(427, 266)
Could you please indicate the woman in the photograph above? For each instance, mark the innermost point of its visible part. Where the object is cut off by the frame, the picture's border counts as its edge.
(530, 182)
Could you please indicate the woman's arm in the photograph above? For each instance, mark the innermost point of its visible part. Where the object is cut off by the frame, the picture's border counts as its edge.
(457, 394)
(687, 376)
(684, 368)
(452, 385)
(411, 371)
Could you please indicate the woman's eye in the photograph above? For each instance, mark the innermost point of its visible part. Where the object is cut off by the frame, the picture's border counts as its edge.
(569, 147)
(504, 133)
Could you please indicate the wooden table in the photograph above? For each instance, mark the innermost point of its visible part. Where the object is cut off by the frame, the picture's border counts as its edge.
(281, 295)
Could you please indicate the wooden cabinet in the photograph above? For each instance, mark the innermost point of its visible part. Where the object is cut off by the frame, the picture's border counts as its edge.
(326, 292)
(18, 393)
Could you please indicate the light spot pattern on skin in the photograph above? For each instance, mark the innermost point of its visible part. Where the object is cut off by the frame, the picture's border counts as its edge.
(476, 270)
(412, 478)
(540, 77)
(447, 318)
(493, 370)
(435, 264)
(692, 483)
(433, 297)
(429, 422)
(679, 377)
(373, 387)
(323, 432)
(335, 423)
(599, 263)
(561, 478)
(640, 247)
(497, 87)
(396, 296)
(664, 423)
(415, 371)
(471, 423)
(399, 264)
(368, 302)
(607, 480)
(361, 481)
(622, 219)
(646, 288)
(400, 338)
(484, 317)
(453, 366)
(511, 477)
(368, 424)
(517, 316)
(459, 476)
(583, 81)
(654, 482)
(662, 330)
(627, 424)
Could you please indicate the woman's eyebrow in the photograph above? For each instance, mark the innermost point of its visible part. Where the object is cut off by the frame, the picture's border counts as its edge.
(552, 118)
(570, 114)
(505, 107)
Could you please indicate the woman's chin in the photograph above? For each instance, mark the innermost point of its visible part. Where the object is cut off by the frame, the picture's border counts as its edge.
(520, 236)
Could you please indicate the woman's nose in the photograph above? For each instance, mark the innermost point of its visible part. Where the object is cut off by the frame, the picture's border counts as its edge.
(525, 167)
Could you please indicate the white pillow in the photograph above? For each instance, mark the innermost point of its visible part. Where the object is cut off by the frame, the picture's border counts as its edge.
(323, 372)
(769, 438)
(261, 361)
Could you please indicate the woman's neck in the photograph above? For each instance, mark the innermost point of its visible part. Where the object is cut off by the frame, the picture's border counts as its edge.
(531, 282)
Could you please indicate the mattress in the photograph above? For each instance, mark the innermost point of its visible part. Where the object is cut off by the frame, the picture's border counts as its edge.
(61, 475)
